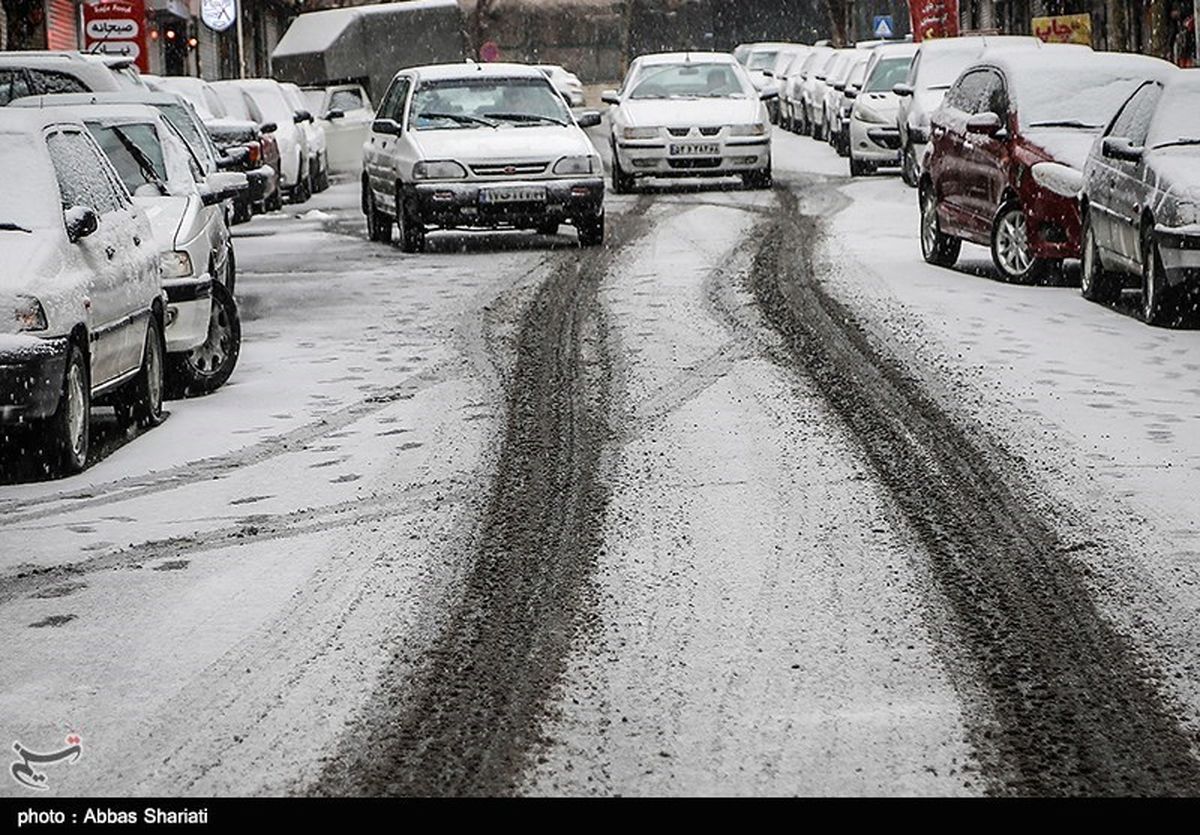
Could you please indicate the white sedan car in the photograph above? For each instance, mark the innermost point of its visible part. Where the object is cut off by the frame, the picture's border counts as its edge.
(694, 114)
(469, 146)
(79, 289)
(874, 136)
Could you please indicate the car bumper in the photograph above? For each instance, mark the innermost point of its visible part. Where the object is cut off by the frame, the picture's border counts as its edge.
(31, 379)
(653, 158)
(260, 183)
(461, 205)
(189, 307)
(875, 142)
(1180, 253)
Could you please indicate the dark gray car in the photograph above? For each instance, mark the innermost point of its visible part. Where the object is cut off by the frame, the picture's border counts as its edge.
(1141, 200)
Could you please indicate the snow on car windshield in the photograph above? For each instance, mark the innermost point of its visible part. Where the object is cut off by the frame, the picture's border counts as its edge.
(29, 197)
(231, 98)
(762, 60)
(690, 81)
(1178, 118)
(486, 102)
(940, 70)
(888, 73)
(140, 158)
(1073, 95)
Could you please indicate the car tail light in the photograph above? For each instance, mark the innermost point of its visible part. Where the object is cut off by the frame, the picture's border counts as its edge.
(255, 149)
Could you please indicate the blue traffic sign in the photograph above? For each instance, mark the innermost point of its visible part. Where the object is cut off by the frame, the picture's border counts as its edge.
(884, 27)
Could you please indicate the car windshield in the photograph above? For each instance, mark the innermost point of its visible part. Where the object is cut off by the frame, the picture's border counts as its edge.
(1076, 96)
(888, 73)
(762, 60)
(858, 73)
(313, 99)
(1177, 121)
(29, 197)
(939, 70)
(182, 121)
(274, 106)
(689, 81)
(465, 103)
(145, 166)
(235, 104)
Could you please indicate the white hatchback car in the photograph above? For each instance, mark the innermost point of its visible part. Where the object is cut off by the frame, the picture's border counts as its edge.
(874, 136)
(468, 146)
(79, 286)
(689, 114)
(345, 112)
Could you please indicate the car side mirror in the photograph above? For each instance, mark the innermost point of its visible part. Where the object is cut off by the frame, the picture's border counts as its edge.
(268, 127)
(1118, 147)
(987, 124)
(302, 116)
(768, 73)
(839, 87)
(335, 114)
(769, 93)
(902, 89)
(388, 126)
(588, 119)
(222, 185)
(610, 97)
(80, 221)
(236, 157)
(851, 93)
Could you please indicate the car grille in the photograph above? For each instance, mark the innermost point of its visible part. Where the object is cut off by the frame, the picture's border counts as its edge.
(509, 169)
(697, 162)
(679, 131)
(709, 131)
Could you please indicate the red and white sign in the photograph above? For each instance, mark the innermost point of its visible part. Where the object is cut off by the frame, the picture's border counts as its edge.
(933, 19)
(116, 27)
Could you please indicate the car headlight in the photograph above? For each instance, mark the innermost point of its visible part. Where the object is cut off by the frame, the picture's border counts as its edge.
(577, 165)
(866, 114)
(177, 264)
(639, 133)
(756, 129)
(1178, 212)
(29, 314)
(1058, 178)
(439, 170)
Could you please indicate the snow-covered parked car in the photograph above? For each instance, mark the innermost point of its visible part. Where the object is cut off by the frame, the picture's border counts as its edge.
(1009, 145)
(874, 136)
(314, 139)
(294, 155)
(188, 219)
(37, 73)
(79, 286)
(689, 114)
(345, 112)
(1141, 200)
(566, 83)
(479, 146)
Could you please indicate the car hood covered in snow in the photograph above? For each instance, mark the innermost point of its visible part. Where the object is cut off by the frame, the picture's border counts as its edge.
(1070, 146)
(171, 218)
(503, 144)
(690, 112)
(26, 260)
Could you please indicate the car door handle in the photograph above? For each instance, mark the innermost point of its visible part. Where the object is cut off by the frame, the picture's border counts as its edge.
(110, 252)
(137, 241)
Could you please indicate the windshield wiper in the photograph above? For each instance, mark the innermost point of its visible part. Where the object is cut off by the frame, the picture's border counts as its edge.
(1183, 140)
(528, 117)
(14, 227)
(1062, 123)
(460, 118)
(142, 160)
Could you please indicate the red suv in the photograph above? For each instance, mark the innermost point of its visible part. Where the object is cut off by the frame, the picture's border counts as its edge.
(1007, 151)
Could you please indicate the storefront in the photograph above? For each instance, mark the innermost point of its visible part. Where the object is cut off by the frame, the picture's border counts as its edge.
(39, 24)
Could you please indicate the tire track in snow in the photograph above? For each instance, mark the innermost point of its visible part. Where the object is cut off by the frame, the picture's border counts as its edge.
(466, 725)
(1072, 707)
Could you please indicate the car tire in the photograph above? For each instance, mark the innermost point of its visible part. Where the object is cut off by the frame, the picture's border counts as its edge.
(409, 226)
(548, 228)
(379, 224)
(301, 192)
(275, 204)
(1096, 284)
(141, 402)
(937, 247)
(1011, 254)
(207, 367)
(860, 168)
(66, 435)
(908, 165)
(591, 230)
(1158, 305)
(760, 179)
(242, 211)
(622, 183)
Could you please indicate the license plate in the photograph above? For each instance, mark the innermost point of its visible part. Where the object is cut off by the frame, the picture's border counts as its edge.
(696, 149)
(513, 194)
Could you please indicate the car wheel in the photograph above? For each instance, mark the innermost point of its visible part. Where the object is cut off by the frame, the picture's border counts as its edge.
(548, 228)
(141, 402)
(1096, 284)
(760, 179)
(936, 247)
(591, 230)
(622, 183)
(242, 211)
(66, 435)
(409, 225)
(275, 204)
(301, 193)
(1157, 305)
(1011, 250)
(908, 165)
(860, 168)
(379, 225)
(207, 367)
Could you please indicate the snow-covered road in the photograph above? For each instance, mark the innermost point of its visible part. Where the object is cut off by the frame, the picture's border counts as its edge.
(753, 501)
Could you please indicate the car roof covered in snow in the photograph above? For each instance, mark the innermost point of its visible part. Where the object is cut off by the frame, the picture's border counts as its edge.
(438, 72)
(899, 49)
(24, 120)
(978, 43)
(147, 97)
(684, 57)
(1040, 66)
(112, 112)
